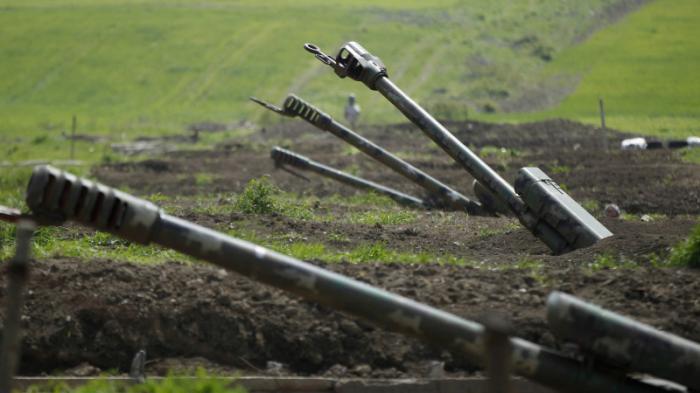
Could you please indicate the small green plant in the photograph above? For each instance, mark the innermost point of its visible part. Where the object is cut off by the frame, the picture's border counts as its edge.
(556, 169)
(687, 253)
(610, 262)
(260, 196)
(591, 205)
(203, 178)
(350, 150)
(375, 252)
(257, 197)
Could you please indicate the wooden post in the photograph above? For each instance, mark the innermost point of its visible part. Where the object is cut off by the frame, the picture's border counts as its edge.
(601, 106)
(17, 276)
(498, 354)
(72, 137)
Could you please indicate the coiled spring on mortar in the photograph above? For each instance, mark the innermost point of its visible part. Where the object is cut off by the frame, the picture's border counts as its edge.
(301, 108)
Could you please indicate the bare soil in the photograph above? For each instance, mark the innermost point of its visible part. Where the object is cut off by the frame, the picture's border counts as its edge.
(102, 312)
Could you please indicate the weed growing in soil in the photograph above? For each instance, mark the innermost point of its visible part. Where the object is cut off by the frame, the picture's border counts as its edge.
(257, 197)
(260, 196)
(687, 253)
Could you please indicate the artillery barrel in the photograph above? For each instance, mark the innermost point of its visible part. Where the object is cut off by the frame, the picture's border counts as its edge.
(446, 195)
(282, 156)
(56, 195)
(554, 218)
(623, 342)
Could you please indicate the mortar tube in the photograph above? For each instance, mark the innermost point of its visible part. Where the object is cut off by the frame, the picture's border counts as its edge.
(486, 176)
(286, 157)
(436, 188)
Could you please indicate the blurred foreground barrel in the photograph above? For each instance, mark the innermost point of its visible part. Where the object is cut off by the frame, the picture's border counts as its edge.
(623, 342)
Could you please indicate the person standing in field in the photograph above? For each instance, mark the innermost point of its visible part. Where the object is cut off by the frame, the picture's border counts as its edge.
(352, 111)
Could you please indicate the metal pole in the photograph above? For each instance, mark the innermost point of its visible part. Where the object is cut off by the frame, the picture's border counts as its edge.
(72, 138)
(601, 106)
(282, 156)
(57, 195)
(17, 276)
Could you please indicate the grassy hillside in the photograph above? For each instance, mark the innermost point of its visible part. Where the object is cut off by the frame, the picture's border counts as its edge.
(135, 67)
(647, 69)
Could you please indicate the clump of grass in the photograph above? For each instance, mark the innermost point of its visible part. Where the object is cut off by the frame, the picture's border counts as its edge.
(591, 205)
(203, 178)
(610, 262)
(557, 169)
(370, 253)
(260, 196)
(383, 217)
(687, 253)
(257, 197)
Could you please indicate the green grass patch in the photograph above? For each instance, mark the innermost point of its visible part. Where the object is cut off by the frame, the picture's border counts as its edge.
(171, 384)
(489, 232)
(361, 199)
(645, 69)
(174, 64)
(611, 262)
(382, 217)
(55, 242)
(260, 196)
(691, 155)
(687, 253)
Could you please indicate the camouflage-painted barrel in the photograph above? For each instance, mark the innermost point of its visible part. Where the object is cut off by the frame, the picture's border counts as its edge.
(54, 195)
(561, 228)
(286, 157)
(440, 194)
(624, 342)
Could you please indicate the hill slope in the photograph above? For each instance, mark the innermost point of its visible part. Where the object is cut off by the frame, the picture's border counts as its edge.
(133, 67)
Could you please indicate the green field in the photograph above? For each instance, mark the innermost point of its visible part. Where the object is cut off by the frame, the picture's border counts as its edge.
(129, 68)
(646, 68)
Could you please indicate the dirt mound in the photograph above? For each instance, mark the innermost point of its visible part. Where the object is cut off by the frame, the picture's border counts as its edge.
(102, 313)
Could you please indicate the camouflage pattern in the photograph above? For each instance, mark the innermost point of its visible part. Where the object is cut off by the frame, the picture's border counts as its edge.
(357, 63)
(623, 342)
(17, 277)
(286, 157)
(387, 310)
(441, 195)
